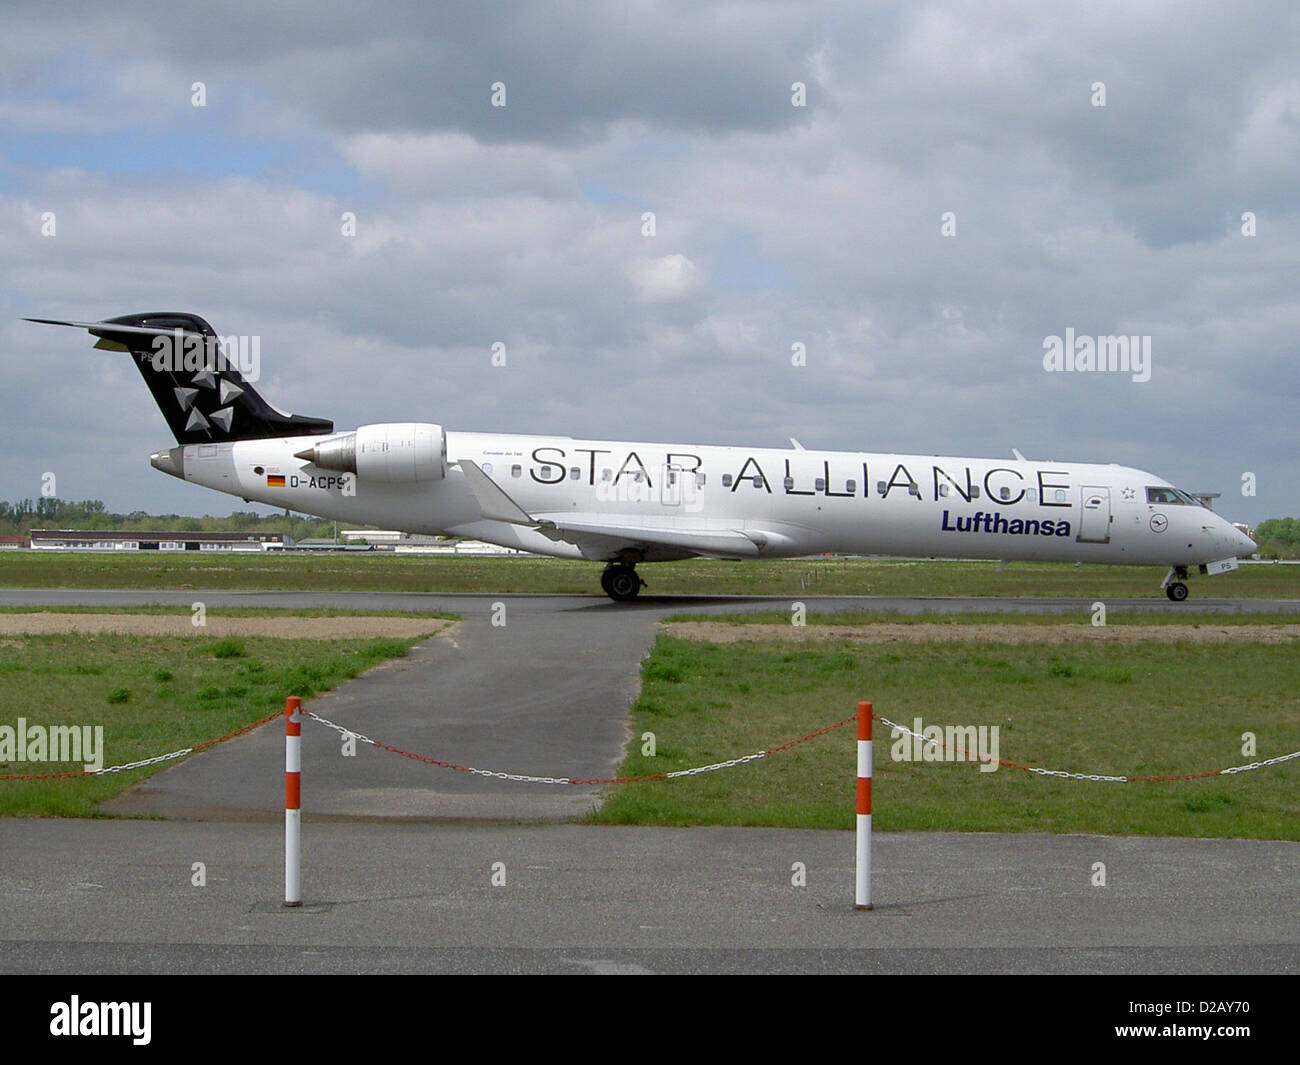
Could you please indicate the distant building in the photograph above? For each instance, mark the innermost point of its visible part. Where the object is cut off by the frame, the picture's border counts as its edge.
(372, 536)
(417, 544)
(317, 544)
(12, 543)
(455, 547)
(149, 540)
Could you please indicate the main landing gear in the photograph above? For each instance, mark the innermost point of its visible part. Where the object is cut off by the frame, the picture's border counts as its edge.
(620, 582)
(1174, 586)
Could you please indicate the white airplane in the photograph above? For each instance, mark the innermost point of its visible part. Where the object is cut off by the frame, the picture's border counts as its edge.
(626, 503)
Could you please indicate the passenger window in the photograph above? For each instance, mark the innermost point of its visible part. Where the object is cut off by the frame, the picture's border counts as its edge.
(789, 483)
(726, 480)
(819, 485)
(575, 474)
(606, 475)
(1005, 493)
(758, 481)
(516, 471)
(487, 468)
(850, 486)
(943, 490)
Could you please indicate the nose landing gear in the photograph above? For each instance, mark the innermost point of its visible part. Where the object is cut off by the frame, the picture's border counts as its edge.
(620, 582)
(1173, 584)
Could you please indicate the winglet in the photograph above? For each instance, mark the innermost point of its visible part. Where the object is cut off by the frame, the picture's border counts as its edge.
(795, 444)
(494, 504)
(1019, 457)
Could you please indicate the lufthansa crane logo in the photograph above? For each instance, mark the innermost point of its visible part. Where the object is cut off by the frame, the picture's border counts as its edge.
(1159, 523)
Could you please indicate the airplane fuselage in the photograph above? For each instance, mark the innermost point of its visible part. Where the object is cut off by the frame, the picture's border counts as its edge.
(787, 503)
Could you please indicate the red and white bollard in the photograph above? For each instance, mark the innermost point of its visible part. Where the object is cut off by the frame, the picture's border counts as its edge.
(862, 894)
(292, 801)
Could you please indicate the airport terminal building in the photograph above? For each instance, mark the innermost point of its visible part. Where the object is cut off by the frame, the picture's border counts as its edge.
(146, 540)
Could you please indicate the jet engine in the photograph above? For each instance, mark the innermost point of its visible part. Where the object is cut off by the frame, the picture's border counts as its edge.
(395, 452)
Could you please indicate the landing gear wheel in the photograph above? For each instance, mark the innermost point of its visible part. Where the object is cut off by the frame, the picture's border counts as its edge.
(620, 583)
(1177, 591)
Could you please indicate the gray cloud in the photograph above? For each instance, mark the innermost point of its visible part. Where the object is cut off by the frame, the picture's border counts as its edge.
(818, 225)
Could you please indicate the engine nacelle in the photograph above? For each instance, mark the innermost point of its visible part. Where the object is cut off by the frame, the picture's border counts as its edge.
(395, 452)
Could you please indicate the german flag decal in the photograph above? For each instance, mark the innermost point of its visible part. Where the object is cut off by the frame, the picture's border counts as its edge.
(275, 480)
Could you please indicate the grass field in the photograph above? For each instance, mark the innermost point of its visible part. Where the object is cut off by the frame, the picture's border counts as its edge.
(383, 572)
(1124, 710)
(222, 612)
(1185, 615)
(153, 695)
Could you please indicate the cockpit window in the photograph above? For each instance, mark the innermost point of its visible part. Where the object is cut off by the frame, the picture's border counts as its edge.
(1171, 497)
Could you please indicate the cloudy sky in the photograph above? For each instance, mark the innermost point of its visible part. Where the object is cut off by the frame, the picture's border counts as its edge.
(774, 225)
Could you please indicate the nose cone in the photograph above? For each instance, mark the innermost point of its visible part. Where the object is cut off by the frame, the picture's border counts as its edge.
(171, 461)
(1238, 539)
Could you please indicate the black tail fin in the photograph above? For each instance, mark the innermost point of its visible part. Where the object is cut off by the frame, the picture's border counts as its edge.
(197, 386)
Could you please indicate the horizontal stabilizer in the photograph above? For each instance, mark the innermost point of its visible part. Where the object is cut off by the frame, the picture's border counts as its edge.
(109, 326)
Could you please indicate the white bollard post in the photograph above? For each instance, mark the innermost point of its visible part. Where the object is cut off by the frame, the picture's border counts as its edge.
(292, 801)
(862, 894)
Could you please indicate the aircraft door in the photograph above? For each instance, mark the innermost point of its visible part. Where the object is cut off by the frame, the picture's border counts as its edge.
(671, 486)
(1094, 522)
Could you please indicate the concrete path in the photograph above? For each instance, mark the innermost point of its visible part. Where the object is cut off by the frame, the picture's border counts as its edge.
(544, 694)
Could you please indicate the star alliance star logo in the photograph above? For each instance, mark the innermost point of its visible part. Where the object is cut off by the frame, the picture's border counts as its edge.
(227, 391)
(1129, 495)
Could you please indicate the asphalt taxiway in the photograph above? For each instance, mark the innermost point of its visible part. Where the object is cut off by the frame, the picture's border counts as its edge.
(118, 896)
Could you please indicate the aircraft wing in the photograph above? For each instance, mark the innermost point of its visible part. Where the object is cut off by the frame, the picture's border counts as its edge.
(594, 531)
(492, 501)
(601, 536)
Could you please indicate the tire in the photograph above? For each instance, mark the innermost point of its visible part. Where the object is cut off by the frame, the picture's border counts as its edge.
(1177, 591)
(622, 585)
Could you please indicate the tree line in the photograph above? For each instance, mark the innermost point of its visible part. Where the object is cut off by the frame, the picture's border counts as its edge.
(20, 517)
(1279, 538)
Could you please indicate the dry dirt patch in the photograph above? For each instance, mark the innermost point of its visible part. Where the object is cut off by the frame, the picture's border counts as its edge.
(283, 625)
(927, 632)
